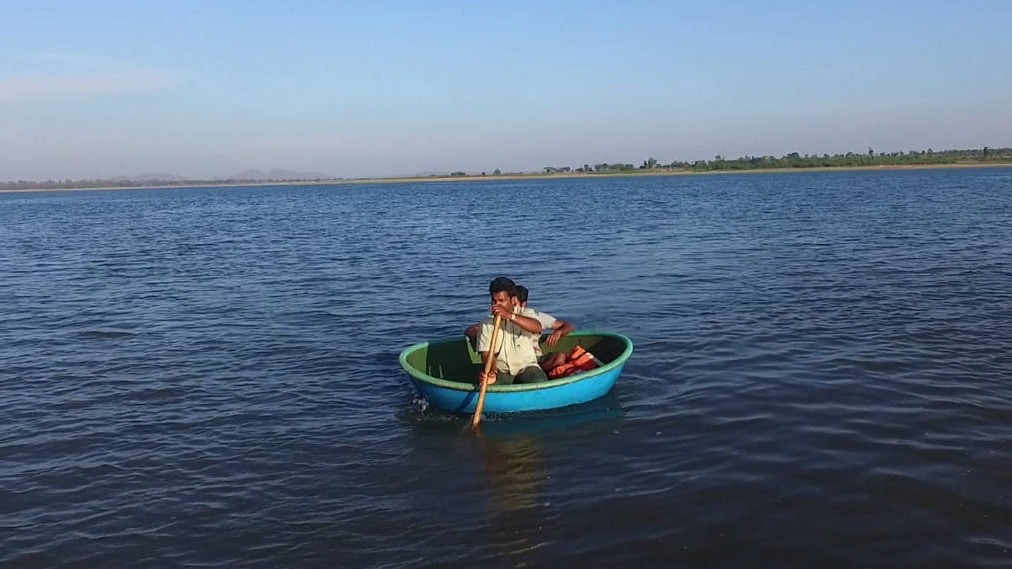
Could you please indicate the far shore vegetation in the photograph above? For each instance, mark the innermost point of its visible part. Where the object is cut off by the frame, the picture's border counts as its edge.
(789, 162)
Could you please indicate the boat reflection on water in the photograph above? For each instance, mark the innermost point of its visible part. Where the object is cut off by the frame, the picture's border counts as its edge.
(512, 466)
(515, 468)
(518, 460)
(515, 457)
(593, 414)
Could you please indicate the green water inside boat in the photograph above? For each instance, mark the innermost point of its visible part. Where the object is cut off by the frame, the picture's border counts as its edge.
(456, 360)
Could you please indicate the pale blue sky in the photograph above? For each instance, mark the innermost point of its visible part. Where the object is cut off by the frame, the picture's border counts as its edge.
(374, 88)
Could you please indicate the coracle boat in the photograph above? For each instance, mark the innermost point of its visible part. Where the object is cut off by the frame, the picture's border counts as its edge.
(446, 373)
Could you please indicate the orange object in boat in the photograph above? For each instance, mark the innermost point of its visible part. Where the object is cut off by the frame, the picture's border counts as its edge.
(582, 359)
(579, 359)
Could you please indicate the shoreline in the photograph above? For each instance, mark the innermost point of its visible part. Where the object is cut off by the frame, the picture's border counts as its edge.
(531, 176)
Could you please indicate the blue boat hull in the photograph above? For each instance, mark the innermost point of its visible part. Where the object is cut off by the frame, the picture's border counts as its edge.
(550, 397)
(458, 396)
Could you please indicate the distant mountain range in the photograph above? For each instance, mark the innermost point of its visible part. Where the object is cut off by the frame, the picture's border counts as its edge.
(277, 175)
(248, 175)
(149, 177)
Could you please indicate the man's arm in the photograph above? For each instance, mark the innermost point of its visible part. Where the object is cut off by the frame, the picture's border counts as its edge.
(486, 351)
(472, 334)
(559, 329)
(484, 362)
(527, 323)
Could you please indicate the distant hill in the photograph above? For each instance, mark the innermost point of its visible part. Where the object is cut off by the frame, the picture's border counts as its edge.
(277, 175)
(149, 177)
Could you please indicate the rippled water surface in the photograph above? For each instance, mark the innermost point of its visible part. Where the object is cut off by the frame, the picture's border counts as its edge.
(208, 377)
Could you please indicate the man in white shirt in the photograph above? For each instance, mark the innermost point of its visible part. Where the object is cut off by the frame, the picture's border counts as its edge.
(515, 358)
(559, 328)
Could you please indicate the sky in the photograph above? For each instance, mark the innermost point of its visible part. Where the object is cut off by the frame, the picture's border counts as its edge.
(347, 88)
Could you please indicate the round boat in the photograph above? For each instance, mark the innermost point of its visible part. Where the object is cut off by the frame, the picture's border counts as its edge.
(446, 373)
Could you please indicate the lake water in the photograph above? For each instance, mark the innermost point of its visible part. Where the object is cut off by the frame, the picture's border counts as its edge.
(209, 377)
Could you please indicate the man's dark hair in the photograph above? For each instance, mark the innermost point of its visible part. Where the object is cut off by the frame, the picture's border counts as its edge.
(522, 293)
(502, 284)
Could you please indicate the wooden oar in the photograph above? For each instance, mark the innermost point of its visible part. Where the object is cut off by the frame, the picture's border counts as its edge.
(489, 363)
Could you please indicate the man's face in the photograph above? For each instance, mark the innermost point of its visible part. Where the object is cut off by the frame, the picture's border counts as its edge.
(502, 298)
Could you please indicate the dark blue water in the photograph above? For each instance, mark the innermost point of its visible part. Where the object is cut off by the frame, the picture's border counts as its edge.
(208, 377)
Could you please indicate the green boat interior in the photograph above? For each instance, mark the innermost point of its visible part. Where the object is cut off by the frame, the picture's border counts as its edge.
(456, 360)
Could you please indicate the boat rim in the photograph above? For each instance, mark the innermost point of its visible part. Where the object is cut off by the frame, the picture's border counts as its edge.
(461, 386)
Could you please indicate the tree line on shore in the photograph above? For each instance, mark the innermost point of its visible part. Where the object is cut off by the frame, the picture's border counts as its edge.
(788, 161)
(794, 160)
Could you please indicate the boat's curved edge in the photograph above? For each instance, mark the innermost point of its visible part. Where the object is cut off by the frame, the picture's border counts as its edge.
(618, 362)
